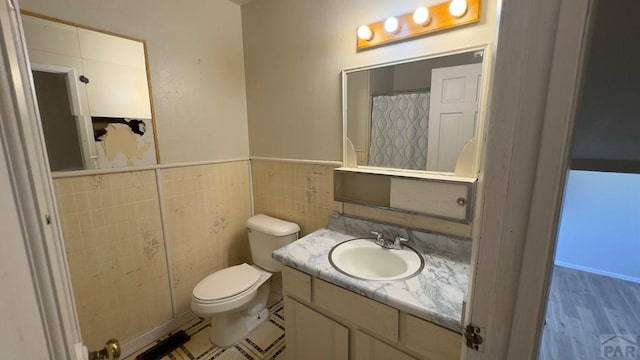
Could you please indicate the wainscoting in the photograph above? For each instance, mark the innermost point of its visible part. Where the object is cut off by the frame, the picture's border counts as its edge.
(137, 242)
(301, 192)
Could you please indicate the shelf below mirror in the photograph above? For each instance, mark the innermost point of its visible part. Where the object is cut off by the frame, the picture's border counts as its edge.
(441, 196)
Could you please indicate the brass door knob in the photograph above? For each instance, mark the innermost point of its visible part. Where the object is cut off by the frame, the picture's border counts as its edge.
(111, 351)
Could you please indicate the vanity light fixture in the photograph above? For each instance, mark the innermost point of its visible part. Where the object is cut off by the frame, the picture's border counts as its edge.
(422, 22)
(365, 33)
(458, 8)
(421, 16)
(391, 25)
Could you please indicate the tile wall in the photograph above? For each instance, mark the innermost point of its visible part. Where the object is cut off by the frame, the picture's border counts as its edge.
(115, 250)
(303, 193)
(126, 283)
(297, 192)
(113, 231)
(206, 209)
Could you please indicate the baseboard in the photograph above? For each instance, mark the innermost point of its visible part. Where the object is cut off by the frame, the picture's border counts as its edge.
(140, 342)
(598, 272)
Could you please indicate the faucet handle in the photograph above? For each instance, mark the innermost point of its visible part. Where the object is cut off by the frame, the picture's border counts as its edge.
(397, 244)
(379, 238)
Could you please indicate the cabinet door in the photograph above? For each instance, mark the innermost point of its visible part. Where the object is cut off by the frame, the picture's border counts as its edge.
(95, 45)
(117, 73)
(51, 37)
(313, 336)
(54, 47)
(431, 340)
(369, 348)
(116, 90)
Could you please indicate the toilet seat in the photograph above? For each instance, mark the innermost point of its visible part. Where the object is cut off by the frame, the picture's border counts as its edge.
(226, 283)
(212, 298)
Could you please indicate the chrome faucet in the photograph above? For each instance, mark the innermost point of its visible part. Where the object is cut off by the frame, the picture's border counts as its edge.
(389, 244)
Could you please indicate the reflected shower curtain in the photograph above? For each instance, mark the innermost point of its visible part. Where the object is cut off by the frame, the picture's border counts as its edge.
(399, 131)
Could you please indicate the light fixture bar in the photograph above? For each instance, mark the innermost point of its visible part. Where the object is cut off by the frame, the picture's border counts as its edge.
(440, 19)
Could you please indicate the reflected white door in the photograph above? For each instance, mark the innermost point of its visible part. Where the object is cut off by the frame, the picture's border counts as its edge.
(453, 112)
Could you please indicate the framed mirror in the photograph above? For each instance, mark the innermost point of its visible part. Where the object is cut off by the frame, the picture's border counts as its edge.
(420, 115)
(93, 96)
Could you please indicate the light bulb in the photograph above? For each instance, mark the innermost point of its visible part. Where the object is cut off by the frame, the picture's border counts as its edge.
(458, 8)
(391, 25)
(421, 16)
(365, 33)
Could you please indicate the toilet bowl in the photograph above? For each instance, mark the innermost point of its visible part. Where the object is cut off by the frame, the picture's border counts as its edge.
(235, 298)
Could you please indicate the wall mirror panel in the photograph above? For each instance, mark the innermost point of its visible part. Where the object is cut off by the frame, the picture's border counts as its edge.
(420, 115)
(93, 95)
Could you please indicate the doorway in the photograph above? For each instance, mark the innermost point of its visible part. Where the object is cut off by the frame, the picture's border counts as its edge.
(593, 310)
(67, 132)
(58, 123)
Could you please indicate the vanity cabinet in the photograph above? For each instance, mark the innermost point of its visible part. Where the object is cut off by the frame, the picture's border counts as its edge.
(313, 336)
(114, 66)
(370, 348)
(327, 320)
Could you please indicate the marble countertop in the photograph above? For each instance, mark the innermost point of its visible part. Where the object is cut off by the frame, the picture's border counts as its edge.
(436, 294)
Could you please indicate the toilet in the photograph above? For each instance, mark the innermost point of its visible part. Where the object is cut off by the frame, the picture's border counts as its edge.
(235, 298)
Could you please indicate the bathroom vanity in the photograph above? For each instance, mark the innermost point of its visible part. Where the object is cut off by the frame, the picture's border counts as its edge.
(330, 315)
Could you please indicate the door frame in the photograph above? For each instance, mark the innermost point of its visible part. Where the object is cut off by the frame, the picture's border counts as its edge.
(535, 92)
(83, 121)
(35, 209)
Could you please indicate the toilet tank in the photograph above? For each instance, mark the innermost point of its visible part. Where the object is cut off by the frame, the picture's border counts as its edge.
(267, 234)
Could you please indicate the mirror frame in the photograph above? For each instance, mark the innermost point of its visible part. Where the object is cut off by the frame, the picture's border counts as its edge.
(481, 125)
(149, 82)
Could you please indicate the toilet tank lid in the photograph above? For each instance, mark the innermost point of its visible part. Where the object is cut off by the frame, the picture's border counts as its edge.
(272, 226)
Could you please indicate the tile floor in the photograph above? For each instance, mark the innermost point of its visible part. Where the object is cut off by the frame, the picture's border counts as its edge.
(265, 342)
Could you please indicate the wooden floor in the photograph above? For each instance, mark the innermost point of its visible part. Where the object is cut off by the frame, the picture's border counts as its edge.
(582, 308)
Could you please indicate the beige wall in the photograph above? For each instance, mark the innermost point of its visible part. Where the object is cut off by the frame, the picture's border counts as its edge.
(125, 270)
(113, 240)
(301, 193)
(294, 52)
(196, 62)
(206, 210)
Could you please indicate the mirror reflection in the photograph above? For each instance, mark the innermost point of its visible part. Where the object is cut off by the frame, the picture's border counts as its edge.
(93, 96)
(416, 115)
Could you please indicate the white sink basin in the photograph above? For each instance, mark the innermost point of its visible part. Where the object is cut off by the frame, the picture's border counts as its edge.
(364, 259)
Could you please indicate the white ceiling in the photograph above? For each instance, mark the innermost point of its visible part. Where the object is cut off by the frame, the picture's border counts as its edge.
(241, 2)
